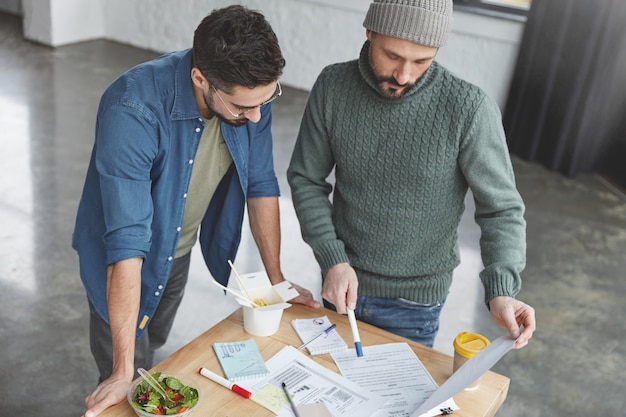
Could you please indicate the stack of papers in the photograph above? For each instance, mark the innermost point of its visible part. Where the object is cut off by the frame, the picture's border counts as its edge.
(387, 381)
(309, 382)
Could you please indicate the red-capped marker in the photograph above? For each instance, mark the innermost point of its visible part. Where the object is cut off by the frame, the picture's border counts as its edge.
(224, 382)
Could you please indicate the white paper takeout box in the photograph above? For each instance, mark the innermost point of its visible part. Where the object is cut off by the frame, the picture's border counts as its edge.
(264, 320)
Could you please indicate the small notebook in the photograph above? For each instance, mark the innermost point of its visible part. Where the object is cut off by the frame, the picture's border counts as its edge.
(307, 329)
(240, 360)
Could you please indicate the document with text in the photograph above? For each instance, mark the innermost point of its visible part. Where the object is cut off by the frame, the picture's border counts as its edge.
(394, 372)
(307, 383)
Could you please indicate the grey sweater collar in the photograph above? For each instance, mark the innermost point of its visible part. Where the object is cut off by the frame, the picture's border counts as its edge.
(367, 73)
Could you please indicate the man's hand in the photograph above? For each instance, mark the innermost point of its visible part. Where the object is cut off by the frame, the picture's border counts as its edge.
(305, 297)
(110, 392)
(513, 314)
(265, 225)
(340, 287)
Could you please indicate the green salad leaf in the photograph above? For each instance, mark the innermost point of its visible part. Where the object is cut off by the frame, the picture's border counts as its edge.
(181, 397)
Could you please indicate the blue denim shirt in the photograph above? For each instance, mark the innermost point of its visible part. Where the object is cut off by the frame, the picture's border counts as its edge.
(147, 132)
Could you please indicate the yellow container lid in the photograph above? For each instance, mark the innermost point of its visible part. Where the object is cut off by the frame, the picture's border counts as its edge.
(468, 344)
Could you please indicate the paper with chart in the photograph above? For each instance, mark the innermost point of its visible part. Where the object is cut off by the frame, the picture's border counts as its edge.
(240, 360)
(309, 382)
(394, 372)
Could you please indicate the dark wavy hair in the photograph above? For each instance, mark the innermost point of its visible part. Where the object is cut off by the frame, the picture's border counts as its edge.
(237, 46)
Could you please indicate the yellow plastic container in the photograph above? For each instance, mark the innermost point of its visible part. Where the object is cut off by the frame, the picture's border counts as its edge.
(466, 345)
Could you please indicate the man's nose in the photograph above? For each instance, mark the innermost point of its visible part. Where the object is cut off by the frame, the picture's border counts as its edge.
(254, 115)
(402, 74)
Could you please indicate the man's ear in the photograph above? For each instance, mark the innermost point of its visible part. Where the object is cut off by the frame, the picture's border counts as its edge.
(198, 79)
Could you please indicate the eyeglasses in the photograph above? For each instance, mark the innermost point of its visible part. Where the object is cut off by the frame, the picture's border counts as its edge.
(277, 93)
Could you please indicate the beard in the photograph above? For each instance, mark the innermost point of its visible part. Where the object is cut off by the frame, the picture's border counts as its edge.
(392, 93)
(233, 122)
(384, 81)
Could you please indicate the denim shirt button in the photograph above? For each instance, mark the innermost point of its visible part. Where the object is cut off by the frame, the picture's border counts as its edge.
(160, 286)
(185, 195)
(197, 129)
(156, 293)
(178, 229)
(169, 258)
(190, 161)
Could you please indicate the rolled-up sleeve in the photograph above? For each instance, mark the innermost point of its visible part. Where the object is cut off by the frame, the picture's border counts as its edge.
(262, 181)
(127, 141)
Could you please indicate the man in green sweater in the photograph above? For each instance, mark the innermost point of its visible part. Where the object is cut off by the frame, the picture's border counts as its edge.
(406, 139)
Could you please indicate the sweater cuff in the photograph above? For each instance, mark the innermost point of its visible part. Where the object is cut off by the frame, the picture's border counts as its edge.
(329, 254)
(500, 282)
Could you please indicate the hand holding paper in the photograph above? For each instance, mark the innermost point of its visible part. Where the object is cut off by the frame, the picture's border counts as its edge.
(517, 317)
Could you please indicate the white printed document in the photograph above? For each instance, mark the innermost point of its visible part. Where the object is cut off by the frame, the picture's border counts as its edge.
(309, 382)
(394, 372)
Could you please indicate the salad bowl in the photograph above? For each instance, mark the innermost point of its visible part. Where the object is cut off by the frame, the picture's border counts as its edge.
(182, 392)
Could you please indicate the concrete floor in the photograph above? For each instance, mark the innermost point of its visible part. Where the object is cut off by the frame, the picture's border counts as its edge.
(574, 366)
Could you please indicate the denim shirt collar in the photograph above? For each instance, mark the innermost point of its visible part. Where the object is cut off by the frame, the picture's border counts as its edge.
(185, 106)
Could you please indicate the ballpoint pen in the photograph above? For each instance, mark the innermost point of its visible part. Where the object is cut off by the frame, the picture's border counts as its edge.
(224, 382)
(355, 332)
(325, 332)
(293, 405)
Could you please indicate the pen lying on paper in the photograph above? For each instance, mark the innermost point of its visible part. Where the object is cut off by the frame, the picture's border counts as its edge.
(224, 382)
(325, 332)
(355, 333)
(293, 405)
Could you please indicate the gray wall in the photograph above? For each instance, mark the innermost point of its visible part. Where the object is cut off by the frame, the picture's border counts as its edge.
(11, 6)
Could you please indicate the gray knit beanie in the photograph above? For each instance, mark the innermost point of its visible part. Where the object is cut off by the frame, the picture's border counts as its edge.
(426, 22)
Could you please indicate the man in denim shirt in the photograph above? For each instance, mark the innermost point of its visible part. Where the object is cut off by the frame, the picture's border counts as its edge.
(183, 142)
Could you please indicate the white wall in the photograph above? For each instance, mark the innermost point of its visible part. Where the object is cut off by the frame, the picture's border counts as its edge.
(60, 22)
(312, 33)
(483, 50)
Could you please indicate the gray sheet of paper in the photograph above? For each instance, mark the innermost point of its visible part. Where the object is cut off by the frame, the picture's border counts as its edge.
(314, 410)
(468, 373)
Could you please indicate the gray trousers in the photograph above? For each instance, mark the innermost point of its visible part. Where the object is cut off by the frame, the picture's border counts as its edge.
(157, 331)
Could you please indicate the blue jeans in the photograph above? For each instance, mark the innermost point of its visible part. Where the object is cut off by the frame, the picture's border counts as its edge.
(418, 322)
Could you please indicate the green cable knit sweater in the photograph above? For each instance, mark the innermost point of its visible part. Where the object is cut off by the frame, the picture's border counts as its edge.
(402, 170)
